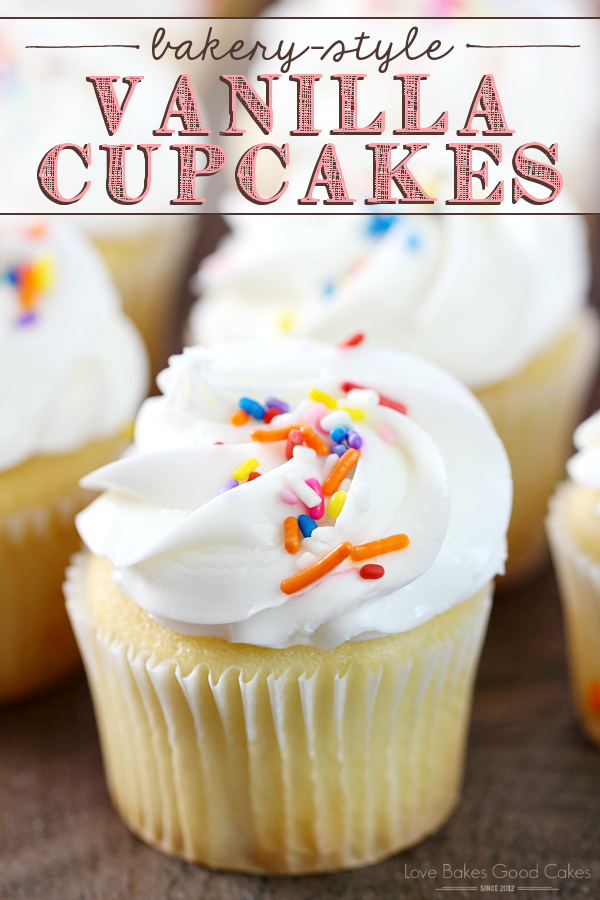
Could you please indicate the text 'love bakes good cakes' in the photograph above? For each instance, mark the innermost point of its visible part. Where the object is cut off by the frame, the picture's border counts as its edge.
(498, 301)
(283, 607)
(574, 534)
(73, 372)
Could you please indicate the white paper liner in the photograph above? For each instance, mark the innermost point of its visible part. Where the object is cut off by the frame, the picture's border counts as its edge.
(285, 774)
(36, 640)
(534, 416)
(578, 577)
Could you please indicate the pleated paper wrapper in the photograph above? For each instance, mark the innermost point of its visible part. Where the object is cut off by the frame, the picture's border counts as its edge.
(535, 413)
(579, 581)
(287, 774)
(37, 646)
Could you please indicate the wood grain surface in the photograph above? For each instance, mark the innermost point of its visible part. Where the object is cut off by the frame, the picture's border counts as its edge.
(531, 793)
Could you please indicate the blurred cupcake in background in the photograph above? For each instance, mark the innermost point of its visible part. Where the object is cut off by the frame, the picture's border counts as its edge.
(450, 85)
(498, 301)
(574, 534)
(47, 100)
(73, 370)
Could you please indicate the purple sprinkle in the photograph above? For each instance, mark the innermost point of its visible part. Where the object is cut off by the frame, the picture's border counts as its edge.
(281, 405)
(340, 449)
(27, 318)
(229, 485)
(354, 440)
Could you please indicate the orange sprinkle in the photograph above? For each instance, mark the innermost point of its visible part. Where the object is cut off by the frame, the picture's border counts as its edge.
(27, 289)
(339, 471)
(276, 434)
(240, 417)
(312, 440)
(291, 533)
(594, 697)
(375, 548)
(296, 582)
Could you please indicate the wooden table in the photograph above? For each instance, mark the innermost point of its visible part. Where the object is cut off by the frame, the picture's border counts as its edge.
(531, 795)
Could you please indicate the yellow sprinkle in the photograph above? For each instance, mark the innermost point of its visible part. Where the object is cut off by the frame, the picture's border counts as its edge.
(321, 397)
(336, 504)
(244, 470)
(356, 414)
(43, 273)
(285, 321)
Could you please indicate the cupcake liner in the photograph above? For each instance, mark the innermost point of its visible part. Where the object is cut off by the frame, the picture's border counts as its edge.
(37, 646)
(535, 413)
(578, 576)
(289, 774)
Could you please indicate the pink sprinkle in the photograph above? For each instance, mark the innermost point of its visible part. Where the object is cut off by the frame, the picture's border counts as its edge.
(318, 511)
(314, 414)
(288, 496)
(387, 433)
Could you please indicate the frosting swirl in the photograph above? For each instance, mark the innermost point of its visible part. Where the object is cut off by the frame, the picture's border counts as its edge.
(584, 467)
(205, 556)
(72, 367)
(479, 295)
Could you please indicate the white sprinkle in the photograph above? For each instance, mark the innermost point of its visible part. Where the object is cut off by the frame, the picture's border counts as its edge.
(362, 497)
(283, 420)
(345, 485)
(362, 398)
(302, 490)
(329, 463)
(338, 419)
(306, 454)
(305, 560)
(324, 534)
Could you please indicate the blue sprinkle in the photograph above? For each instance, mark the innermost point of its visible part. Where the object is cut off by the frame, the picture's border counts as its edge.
(340, 449)
(338, 434)
(306, 525)
(281, 405)
(329, 288)
(12, 276)
(378, 225)
(253, 408)
(413, 242)
(229, 485)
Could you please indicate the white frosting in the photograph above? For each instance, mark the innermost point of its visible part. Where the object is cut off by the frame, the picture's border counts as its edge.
(479, 295)
(201, 562)
(72, 367)
(584, 467)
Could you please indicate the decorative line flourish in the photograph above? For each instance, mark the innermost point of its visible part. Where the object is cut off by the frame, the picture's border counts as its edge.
(518, 46)
(77, 46)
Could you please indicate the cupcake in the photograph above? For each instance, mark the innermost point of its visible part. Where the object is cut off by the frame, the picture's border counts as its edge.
(574, 534)
(73, 371)
(523, 340)
(284, 600)
(47, 99)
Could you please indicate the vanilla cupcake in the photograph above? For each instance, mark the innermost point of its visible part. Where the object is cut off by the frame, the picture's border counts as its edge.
(498, 301)
(73, 371)
(283, 607)
(574, 534)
